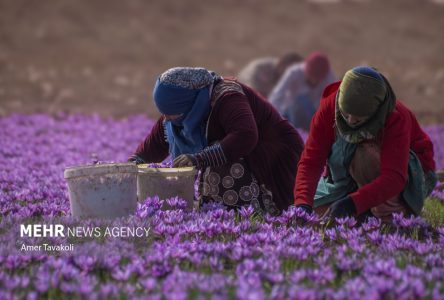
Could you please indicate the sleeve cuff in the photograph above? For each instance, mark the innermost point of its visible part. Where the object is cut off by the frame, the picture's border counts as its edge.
(211, 156)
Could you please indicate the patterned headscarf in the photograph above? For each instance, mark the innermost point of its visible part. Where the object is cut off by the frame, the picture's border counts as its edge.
(363, 92)
(185, 91)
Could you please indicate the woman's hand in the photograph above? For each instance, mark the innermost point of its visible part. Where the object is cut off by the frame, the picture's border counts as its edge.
(184, 160)
(341, 209)
(136, 159)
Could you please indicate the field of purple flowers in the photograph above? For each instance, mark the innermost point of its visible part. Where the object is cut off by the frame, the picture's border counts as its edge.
(212, 253)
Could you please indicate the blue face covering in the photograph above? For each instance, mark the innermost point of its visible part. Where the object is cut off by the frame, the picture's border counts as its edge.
(186, 135)
(179, 121)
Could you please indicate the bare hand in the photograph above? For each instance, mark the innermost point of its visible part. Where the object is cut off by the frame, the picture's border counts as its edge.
(184, 160)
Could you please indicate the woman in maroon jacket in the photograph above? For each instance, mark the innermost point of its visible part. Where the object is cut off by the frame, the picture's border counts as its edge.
(377, 157)
(247, 153)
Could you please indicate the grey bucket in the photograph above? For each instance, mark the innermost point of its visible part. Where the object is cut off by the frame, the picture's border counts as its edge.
(166, 183)
(102, 191)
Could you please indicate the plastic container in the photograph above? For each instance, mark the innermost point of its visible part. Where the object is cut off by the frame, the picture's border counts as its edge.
(102, 191)
(166, 183)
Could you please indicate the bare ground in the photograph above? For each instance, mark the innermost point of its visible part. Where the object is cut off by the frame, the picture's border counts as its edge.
(103, 55)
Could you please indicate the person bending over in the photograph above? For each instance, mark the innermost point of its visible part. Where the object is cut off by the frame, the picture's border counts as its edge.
(247, 152)
(378, 159)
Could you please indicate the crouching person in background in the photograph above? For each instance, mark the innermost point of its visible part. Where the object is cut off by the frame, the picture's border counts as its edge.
(297, 94)
(247, 153)
(378, 159)
(262, 74)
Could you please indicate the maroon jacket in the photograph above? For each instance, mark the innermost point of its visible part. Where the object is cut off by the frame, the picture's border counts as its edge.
(248, 127)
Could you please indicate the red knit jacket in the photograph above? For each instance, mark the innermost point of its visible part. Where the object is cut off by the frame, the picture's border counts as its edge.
(400, 134)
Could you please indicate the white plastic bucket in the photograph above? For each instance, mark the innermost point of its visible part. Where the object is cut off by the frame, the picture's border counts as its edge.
(102, 191)
(166, 183)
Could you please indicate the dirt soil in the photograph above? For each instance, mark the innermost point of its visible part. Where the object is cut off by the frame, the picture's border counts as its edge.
(103, 56)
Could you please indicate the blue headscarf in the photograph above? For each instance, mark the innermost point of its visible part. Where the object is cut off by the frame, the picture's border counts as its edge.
(185, 91)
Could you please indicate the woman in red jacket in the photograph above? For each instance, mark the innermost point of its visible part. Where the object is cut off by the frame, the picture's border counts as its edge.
(378, 160)
(247, 153)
